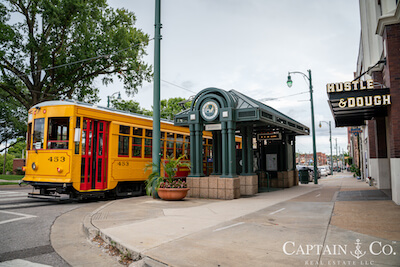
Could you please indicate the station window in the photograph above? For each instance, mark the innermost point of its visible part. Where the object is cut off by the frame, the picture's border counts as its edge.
(58, 133)
(38, 133)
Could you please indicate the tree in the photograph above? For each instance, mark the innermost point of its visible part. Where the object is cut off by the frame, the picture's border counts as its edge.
(57, 48)
(130, 106)
(171, 107)
(13, 120)
(16, 150)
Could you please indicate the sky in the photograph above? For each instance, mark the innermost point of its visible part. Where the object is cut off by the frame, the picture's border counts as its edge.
(250, 46)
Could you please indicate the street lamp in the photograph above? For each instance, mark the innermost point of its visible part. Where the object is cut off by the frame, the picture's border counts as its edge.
(330, 140)
(289, 83)
(110, 96)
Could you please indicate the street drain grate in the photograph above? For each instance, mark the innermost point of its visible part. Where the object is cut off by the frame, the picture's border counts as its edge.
(362, 195)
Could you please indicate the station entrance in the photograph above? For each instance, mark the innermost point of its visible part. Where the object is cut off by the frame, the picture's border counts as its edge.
(265, 157)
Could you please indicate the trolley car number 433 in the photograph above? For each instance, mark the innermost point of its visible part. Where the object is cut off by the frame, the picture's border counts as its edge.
(56, 159)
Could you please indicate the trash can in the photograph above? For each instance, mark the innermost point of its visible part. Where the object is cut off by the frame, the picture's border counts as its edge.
(303, 175)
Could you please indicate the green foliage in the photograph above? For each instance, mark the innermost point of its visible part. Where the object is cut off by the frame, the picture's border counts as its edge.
(13, 119)
(16, 150)
(355, 170)
(54, 49)
(168, 172)
(170, 107)
(130, 106)
(9, 163)
(11, 177)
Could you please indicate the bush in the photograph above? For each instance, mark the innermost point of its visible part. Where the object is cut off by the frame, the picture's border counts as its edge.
(355, 170)
(9, 163)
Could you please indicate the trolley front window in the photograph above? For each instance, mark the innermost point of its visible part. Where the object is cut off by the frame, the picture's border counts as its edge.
(38, 133)
(29, 136)
(58, 133)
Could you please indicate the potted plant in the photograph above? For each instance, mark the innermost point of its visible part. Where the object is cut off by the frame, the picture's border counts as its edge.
(165, 185)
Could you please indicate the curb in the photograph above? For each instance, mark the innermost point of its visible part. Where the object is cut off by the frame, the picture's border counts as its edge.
(91, 231)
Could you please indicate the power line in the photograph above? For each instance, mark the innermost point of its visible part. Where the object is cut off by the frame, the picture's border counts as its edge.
(179, 86)
(276, 98)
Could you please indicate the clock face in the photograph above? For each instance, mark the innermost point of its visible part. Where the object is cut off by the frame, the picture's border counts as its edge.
(209, 110)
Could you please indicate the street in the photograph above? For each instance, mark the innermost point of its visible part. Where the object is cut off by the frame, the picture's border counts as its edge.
(25, 225)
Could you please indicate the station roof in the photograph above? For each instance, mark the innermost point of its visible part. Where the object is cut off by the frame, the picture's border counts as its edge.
(250, 112)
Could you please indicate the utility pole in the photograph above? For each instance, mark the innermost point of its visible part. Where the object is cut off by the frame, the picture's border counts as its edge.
(156, 91)
(337, 163)
(5, 157)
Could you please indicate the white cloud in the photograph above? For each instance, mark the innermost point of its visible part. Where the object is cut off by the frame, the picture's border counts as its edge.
(250, 46)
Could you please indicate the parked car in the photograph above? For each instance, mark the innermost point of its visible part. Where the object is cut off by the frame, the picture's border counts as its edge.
(311, 172)
(323, 170)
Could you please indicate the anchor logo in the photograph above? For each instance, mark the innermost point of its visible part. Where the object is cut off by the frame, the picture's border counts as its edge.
(357, 253)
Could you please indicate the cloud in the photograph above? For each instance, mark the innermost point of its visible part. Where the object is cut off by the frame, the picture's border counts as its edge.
(250, 46)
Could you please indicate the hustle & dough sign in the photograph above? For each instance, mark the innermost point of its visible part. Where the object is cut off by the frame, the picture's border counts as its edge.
(365, 99)
(352, 103)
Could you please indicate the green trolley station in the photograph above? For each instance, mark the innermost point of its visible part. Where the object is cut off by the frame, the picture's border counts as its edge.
(266, 158)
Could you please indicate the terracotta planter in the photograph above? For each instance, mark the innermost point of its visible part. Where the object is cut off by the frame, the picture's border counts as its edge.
(172, 193)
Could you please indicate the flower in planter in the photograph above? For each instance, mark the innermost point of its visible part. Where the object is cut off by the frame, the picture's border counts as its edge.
(178, 183)
(169, 168)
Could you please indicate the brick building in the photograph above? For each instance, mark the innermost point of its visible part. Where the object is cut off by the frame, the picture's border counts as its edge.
(379, 60)
(307, 159)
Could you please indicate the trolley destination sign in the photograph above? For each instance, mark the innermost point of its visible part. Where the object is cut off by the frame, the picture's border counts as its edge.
(354, 102)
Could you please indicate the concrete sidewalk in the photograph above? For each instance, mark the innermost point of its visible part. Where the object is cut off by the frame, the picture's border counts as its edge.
(299, 226)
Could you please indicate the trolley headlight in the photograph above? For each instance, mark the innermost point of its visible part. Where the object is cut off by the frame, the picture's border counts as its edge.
(34, 167)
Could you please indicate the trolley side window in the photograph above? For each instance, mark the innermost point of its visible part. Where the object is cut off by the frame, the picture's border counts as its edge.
(29, 136)
(170, 145)
(179, 145)
(123, 141)
(137, 142)
(148, 143)
(58, 133)
(38, 133)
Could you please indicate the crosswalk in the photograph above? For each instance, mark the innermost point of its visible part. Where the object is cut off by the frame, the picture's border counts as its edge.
(19, 199)
(21, 263)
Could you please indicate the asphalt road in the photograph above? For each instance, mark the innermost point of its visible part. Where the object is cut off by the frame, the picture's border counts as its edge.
(25, 225)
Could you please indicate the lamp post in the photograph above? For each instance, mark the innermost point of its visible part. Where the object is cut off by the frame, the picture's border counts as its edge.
(156, 155)
(330, 141)
(289, 83)
(110, 96)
